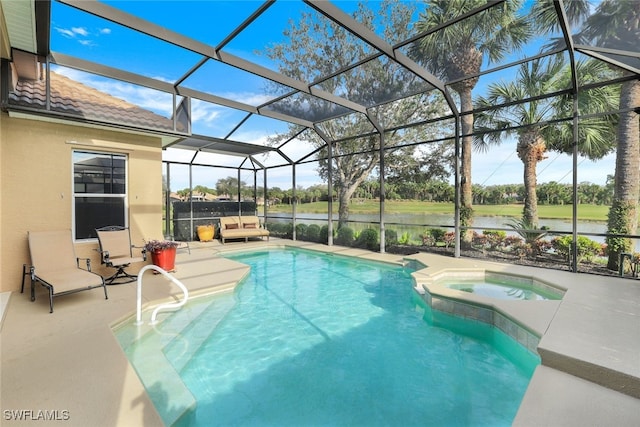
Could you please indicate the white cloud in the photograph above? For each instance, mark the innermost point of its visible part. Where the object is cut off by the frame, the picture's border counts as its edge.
(153, 100)
(65, 32)
(205, 112)
(249, 98)
(501, 165)
(80, 31)
(82, 34)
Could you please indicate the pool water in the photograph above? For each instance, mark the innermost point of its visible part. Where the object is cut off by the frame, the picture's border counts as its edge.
(499, 290)
(314, 340)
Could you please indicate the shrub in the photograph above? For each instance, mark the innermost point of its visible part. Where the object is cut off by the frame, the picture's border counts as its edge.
(510, 242)
(280, 229)
(449, 238)
(301, 230)
(437, 234)
(344, 236)
(522, 249)
(479, 239)
(313, 233)
(432, 236)
(288, 230)
(324, 234)
(405, 239)
(368, 239)
(587, 248)
(427, 239)
(495, 238)
(390, 237)
(540, 246)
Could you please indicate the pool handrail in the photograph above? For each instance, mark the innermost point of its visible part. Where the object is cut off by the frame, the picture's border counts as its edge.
(161, 306)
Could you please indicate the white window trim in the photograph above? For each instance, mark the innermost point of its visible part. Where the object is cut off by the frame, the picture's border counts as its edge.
(125, 196)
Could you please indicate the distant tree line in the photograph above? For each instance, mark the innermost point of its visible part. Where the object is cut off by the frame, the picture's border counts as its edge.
(549, 193)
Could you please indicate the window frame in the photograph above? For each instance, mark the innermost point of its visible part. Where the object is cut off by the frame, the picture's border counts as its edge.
(75, 195)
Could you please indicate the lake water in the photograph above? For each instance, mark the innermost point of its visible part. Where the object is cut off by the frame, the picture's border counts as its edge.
(419, 222)
(416, 224)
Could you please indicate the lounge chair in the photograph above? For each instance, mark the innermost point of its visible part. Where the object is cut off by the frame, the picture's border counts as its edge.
(54, 264)
(116, 251)
(241, 227)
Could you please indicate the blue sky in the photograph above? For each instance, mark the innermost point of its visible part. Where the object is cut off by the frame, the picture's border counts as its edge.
(79, 34)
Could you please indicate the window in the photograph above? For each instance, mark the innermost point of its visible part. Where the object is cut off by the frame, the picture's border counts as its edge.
(99, 192)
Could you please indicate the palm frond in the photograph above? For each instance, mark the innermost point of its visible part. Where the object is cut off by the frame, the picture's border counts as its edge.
(528, 231)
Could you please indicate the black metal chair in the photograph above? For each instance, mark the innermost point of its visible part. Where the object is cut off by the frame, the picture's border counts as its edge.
(116, 251)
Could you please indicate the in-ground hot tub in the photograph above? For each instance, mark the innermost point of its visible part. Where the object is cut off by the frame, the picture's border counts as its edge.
(506, 301)
(502, 286)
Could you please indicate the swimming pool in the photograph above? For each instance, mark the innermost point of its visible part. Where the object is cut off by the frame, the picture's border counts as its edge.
(311, 339)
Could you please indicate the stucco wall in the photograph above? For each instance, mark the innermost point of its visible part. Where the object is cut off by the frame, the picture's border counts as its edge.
(36, 186)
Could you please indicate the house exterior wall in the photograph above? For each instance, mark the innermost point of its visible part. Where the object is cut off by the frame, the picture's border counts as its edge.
(36, 186)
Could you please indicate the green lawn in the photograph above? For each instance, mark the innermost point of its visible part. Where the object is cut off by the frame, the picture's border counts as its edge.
(585, 212)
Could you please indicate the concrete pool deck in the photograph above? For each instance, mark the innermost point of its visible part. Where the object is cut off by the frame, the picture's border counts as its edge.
(69, 366)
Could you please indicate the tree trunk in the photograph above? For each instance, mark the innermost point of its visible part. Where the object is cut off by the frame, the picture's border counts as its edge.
(344, 196)
(466, 196)
(531, 150)
(350, 176)
(623, 215)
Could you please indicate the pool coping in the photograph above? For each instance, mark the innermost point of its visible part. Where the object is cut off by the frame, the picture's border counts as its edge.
(593, 334)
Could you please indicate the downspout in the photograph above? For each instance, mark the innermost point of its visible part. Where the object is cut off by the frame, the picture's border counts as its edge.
(4, 82)
(47, 83)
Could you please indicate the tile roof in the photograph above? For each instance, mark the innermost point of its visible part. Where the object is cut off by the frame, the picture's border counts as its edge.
(76, 99)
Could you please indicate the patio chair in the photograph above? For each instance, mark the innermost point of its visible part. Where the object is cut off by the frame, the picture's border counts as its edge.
(183, 245)
(54, 264)
(116, 251)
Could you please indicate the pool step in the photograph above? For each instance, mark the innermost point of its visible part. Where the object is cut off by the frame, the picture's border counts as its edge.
(145, 346)
(160, 379)
(182, 348)
(178, 320)
(128, 332)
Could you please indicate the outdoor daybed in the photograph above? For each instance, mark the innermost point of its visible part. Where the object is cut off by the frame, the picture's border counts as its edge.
(241, 227)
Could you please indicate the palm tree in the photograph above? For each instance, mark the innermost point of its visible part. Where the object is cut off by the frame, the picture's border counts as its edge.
(532, 80)
(458, 51)
(536, 133)
(615, 24)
